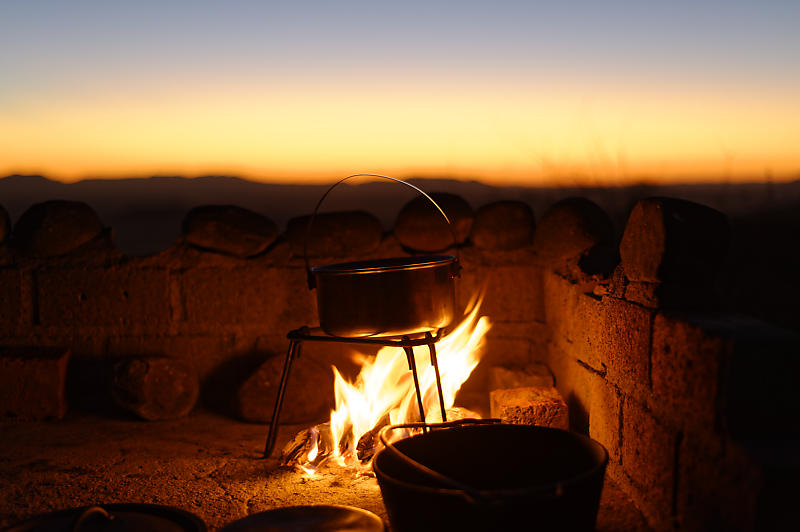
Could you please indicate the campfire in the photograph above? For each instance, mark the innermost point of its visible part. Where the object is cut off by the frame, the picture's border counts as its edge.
(383, 394)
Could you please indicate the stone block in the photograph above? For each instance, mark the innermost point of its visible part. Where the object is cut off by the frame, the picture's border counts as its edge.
(560, 301)
(421, 227)
(155, 388)
(229, 229)
(12, 310)
(534, 405)
(624, 344)
(335, 234)
(33, 383)
(277, 299)
(503, 225)
(569, 229)
(116, 296)
(687, 361)
(511, 293)
(55, 227)
(533, 374)
(649, 451)
(605, 405)
(309, 392)
(667, 239)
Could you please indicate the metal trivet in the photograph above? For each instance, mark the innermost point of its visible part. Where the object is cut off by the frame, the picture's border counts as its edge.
(408, 343)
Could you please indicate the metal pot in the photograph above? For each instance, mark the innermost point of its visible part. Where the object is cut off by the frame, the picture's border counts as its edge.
(386, 297)
(492, 477)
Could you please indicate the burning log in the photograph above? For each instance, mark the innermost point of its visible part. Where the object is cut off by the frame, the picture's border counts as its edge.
(368, 443)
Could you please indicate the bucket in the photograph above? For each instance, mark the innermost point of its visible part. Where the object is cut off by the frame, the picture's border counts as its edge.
(492, 477)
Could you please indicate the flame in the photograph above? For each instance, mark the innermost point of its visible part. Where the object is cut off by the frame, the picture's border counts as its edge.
(383, 392)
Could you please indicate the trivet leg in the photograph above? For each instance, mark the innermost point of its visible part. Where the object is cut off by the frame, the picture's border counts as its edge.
(294, 351)
(412, 365)
(435, 364)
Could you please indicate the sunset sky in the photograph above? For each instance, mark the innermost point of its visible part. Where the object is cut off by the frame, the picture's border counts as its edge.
(603, 92)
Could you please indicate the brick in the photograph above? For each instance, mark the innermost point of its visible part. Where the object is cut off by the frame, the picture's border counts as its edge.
(276, 299)
(686, 370)
(503, 225)
(511, 292)
(648, 458)
(12, 309)
(569, 228)
(604, 416)
(420, 226)
(309, 392)
(121, 296)
(55, 227)
(335, 234)
(668, 239)
(534, 405)
(560, 301)
(154, 388)
(33, 383)
(229, 229)
(625, 344)
(533, 374)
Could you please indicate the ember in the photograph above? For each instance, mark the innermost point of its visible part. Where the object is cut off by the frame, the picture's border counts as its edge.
(383, 394)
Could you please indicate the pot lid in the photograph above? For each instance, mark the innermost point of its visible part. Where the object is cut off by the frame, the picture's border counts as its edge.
(316, 518)
(127, 517)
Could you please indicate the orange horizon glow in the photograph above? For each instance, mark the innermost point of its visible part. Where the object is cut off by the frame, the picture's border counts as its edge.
(554, 136)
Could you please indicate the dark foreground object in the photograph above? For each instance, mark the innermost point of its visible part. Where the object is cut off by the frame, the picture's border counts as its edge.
(313, 518)
(127, 517)
(518, 474)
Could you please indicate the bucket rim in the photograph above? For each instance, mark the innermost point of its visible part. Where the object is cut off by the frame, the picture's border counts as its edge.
(552, 489)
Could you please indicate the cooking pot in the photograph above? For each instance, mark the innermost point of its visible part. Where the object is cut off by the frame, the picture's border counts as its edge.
(491, 477)
(386, 297)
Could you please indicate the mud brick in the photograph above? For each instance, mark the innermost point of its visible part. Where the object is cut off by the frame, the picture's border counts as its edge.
(420, 226)
(649, 449)
(503, 225)
(686, 370)
(560, 301)
(533, 374)
(12, 311)
(668, 239)
(511, 292)
(33, 383)
(604, 415)
(570, 228)
(335, 234)
(534, 405)
(123, 296)
(274, 298)
(625, 344)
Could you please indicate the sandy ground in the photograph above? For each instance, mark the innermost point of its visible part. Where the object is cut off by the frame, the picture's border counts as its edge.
(205, 464)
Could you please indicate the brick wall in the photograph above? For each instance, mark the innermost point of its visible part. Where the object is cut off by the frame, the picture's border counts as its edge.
(692, 404)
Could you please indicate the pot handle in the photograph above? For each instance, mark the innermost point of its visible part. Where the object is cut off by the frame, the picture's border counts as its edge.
(468, 492)
(312, 283)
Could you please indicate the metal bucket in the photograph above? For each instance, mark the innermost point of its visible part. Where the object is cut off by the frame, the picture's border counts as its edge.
(492, 477)
(386, 297)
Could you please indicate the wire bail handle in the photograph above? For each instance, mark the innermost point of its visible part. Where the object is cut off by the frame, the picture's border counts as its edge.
(312, 282)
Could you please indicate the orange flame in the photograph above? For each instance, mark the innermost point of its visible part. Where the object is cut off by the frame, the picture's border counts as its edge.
(384, 388)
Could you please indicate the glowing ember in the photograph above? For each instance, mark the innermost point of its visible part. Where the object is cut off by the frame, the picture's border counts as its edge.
(383, 393)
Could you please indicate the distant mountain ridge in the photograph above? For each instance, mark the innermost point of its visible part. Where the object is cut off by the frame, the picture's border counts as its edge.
(146, 213)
